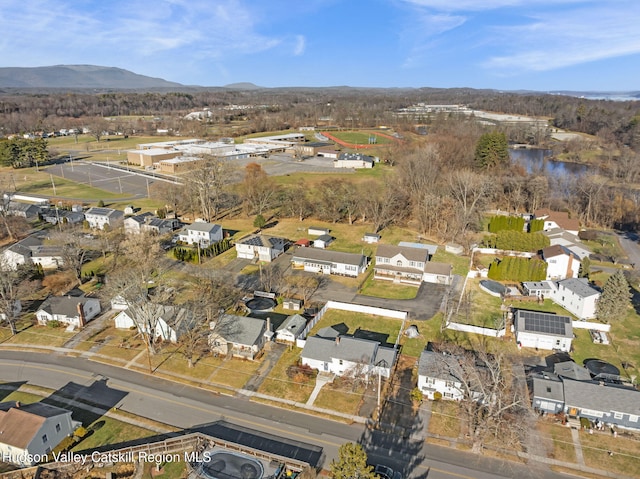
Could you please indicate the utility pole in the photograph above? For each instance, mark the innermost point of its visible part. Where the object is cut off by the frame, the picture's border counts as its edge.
(53, 184)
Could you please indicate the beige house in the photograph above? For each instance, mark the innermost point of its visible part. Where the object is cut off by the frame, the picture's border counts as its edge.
(238, 336)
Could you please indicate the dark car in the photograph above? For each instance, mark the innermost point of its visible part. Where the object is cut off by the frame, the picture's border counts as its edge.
(385, 472)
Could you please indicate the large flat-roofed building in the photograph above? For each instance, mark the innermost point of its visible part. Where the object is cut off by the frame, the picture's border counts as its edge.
(148, 157)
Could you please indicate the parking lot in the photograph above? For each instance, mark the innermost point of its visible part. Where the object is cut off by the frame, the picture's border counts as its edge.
(132, 183)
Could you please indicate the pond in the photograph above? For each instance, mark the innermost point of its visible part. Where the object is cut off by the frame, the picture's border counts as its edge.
(536, 161)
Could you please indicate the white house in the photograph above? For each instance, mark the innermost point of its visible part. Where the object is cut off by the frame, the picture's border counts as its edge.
(558, 219)
(438, 273)
(576, 296)
(541, 289)
(204, 234)
(558, 236)
(32, 430)
(98, 218)
(346, 355)
(148, 223)
(400, 263)
(561, 262)
(291, 328)
(353, 160)
(169, 324)
(69, 310)
(32, 250)
(534, 329)
(260, 247)
(241, 336)
(329, 262)
(437, 374)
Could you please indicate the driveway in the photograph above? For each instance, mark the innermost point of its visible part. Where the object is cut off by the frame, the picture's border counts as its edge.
(424, 306)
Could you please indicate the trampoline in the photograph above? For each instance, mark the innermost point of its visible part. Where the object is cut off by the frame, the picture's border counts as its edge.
(599, 368)
(261, 304)
(229, 465)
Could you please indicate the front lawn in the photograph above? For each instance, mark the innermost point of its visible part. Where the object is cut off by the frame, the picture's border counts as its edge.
(387, 289)
(279, 384)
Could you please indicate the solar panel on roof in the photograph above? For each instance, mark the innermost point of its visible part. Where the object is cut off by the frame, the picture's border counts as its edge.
(544, 323)
(254, 241)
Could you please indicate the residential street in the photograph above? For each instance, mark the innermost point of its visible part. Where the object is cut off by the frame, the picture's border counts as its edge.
(186, 406)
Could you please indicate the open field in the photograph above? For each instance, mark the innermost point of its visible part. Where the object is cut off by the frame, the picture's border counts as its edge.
(361, 137)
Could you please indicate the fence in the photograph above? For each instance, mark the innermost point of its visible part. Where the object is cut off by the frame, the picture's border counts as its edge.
(587, 325)
(468, 328)
(503, 252)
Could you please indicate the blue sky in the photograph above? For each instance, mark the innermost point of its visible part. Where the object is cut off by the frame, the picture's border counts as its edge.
(501, 44)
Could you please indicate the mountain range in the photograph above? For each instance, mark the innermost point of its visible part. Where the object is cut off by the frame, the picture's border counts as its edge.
(80, 77)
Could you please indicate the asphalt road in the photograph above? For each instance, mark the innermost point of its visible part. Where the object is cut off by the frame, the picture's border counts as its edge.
(186, 407)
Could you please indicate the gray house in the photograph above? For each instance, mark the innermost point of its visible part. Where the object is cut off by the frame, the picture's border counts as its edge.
(239, 336)
(597, 401)
(547, 394)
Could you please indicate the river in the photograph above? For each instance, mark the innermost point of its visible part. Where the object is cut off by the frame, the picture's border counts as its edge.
(536, 161)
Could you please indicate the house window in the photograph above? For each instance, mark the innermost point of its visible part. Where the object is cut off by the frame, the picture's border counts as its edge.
(412, 263)
(448, 395)
(57, 427)
(44, 438)
(617, 415)
(548, 389)
(340, 362)
(399, 263)
(431, 381)
(449, 384)
(633, 418)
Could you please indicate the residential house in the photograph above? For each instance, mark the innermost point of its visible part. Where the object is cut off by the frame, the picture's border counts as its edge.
(576, 296)
(348, 356)
(31, 430)
(597, 401)
(148, 223)
(561, 262)
(329, 262)
(261, 247)
(547, 394)
(99, 218)
(371, 238)
(353, 160)
(558, 219)
(400, 263)
(291, 329)
(33, 250)
(571, 370)
(69, 310)
(169, 322)
(17, 308)
(24, 210)
(239, 336)
(431, 248)
(535, 329)
(558, 236)
(56, 215)
(323, 241)
(204, 234)
(440, 373)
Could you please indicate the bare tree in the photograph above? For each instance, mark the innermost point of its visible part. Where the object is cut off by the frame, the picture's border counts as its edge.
(259, 190)
(13, 282)
(495, 408)
(73, 250)
(206, 183)
(295, 202)
(470, 191)
(384, 205)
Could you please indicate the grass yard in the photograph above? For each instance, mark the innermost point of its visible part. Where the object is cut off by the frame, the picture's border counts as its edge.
(384, 329)
(482, 309)
(445, 419)
(22, 397)
(387, 289)
(341, 399)
(626, 452)
(107, 431)
(559, 441)
(41, 336)
(429, 331)
(235, 372)
(278, 383)
(460, 263)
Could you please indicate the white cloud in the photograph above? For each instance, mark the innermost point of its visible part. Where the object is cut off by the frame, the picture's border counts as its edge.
(300, 45)
(550, 42)
(480, 5)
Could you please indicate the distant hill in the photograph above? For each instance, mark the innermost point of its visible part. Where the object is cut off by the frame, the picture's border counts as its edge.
(79, 76)
(243, 86)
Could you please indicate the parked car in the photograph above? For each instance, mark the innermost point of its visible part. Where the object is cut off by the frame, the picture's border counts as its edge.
(385, 472)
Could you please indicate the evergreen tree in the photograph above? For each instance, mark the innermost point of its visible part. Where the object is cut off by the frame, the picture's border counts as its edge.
(259, 221)
(351, 463)
(615, 298)
(585, 268)
(492, 150)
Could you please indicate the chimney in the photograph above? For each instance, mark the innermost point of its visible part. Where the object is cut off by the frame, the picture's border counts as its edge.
(337, 340)
(268, 324)
(83, 319)
(17, 404)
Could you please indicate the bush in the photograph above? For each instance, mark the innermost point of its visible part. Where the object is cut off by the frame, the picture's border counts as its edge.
(259, 221)
(501, 222)
(416, 395)
(437, 396)
(100, 204)
(518, 269)
(300, 371)
(54, 323)
(80, 432)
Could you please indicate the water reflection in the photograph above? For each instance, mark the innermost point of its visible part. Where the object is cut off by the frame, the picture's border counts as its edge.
(536, 161)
